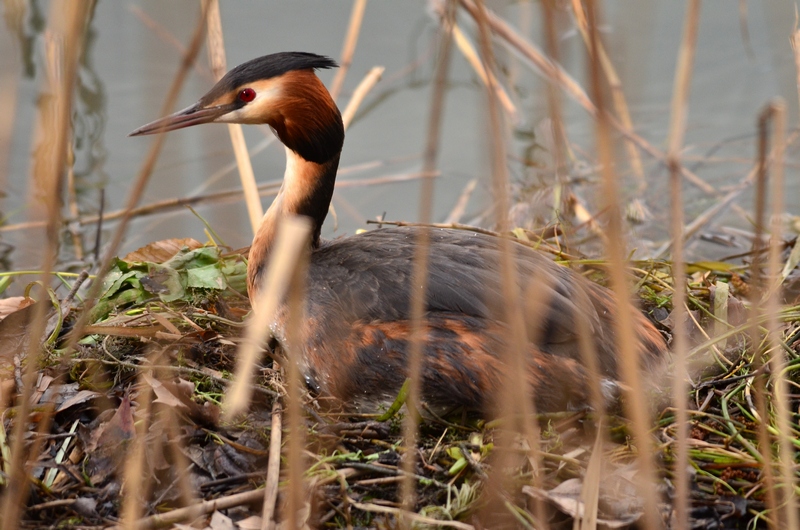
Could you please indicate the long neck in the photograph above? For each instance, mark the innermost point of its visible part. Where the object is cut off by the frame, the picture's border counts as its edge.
(307, 121)
(307, 190)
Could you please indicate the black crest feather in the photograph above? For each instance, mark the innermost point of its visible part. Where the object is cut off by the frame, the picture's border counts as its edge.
(265, 67)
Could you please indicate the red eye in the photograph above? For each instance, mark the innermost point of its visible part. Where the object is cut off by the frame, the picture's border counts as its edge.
(247, 95)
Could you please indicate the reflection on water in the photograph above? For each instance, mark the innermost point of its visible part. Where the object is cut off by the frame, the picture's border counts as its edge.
(127, 65)
(26, 21)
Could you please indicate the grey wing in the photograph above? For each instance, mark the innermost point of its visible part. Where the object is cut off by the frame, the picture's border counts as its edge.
(367, 278)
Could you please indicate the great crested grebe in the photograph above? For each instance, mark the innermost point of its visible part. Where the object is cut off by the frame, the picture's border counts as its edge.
(356, 337)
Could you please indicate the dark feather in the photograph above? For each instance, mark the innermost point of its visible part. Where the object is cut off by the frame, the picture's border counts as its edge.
(265, 67)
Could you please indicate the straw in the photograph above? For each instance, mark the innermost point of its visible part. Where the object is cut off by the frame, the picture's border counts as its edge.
(349, 46)
(680, 389)
(67, 21)
(293, 233)
(419, 275)
(216, 55)
(626, 342)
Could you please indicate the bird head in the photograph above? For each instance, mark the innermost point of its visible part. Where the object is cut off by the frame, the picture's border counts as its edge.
(280, 90)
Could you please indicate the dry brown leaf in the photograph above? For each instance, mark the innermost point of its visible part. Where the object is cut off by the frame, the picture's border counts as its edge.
(107, 448)
(161, 251)
(178, 394)
(220, 522)
(80, 397)
(163, 395)
(14, 330)
(13, 304)
(42, 385)
(250, 523)
(620, 502)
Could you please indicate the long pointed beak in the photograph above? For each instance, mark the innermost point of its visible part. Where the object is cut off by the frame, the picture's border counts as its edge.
(187, 117)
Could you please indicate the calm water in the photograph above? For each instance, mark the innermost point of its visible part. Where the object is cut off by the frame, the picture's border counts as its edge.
(128, 66)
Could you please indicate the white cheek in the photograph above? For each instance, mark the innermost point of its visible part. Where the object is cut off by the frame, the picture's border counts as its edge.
(257, 111)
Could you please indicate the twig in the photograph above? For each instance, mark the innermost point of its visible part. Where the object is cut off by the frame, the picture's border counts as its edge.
(196, 510)
(714, 210)
(553, 71)
(349, 47)
(361, 91)
(266, 189)
(471, 55)
(617, 95)
(394, 472)
(457, 212)
(168, 37)
(273, 469)
(375, 508)
(98, 235)
(74, 209)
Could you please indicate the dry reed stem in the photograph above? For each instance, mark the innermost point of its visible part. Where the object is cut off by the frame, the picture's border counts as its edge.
(560, 148)
(725, 201)
(52, 49)
(457, 212)
(781, 399)
(525, 26)
(293, 233)
(8, 107)
(680, 388)
(617, 95)
(795, 41)
(515, 399)
(180, 462)
(546, 66)
(74, 209)
(758, 283)
(410, 516)
(295, 322)
(471, 55)
(273, 469)
(419, 275)
(136, 487)
(635, 404)
(551, 70)
(349, 46)
(266, 189)
(167, 37)
(138, 187)
(216, 56)
(189, 513)
(361, 91)
(66, 22)
(590, 490)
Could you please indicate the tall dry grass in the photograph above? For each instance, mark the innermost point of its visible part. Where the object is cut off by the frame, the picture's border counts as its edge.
(615, 133)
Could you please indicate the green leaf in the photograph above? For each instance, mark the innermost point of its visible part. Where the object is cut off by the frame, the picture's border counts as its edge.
(454, 452)
(711, 266)
(164, 282)
(460, 464)
(188, 259)
(207, 277)
(402, 395)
